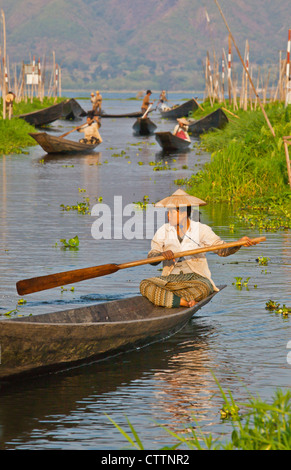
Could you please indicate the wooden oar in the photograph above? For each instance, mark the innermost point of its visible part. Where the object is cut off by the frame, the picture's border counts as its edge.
(36, 284)
(75, 129)
(149, 107)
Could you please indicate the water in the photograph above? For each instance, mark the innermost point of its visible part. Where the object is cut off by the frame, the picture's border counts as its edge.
(169, 383)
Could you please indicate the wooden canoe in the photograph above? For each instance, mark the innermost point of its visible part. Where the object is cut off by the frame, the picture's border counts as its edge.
(72, 110)
(144, 126)
(181, 110)
(44, 116)
(125, 115)
(215, 120)
(170, 142)
(47, 342)
(54, 144)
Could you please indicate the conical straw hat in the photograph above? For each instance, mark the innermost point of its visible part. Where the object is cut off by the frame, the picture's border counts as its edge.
(179, 199)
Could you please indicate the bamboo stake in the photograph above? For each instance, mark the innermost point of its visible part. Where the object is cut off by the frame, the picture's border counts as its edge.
(224, 109)
(247, 72)
(288, 73)
(229, 70)
(246, 78)
(287, 141)
(4, 91)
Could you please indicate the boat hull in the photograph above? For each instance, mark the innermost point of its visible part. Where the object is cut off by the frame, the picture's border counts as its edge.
(144, 126)
(55, 341)
(180, 111)
(125, 115)
(52, 144)
(215, 120)
(170, 142)
(43, 116)
(72, 110)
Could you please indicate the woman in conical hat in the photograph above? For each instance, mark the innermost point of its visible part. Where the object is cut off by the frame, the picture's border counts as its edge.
(187, 280)
(181, 129)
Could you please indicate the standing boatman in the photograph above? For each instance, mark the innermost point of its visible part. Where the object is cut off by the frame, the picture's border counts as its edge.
(146, 101)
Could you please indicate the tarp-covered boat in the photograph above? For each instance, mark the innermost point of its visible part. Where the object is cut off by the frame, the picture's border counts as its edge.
(215, 120)
(46, 342)
(180, 111)
(72, 110)
(44, 116)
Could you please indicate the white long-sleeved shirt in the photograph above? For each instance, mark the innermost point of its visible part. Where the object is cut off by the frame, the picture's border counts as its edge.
(198, 235)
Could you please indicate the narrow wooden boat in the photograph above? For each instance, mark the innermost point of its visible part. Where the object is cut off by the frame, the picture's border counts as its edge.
(44, 116)
(55, 341)
(144, 126)
(215, 120)
(54, 144)
(125, 115)
(181, 110)
(170, 142)
(72, 110)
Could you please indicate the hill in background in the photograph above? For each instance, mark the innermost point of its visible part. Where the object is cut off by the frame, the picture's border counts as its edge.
(136, 44)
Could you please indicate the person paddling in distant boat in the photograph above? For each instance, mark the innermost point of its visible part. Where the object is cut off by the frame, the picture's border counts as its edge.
(163, 106)
(91, 130)
(146, 102)
(181, 129)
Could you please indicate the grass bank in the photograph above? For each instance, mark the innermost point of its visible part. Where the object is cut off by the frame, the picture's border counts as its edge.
(248, 166)
(14, 133)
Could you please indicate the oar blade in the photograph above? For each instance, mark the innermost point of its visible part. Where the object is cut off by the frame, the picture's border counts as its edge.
(36, 284)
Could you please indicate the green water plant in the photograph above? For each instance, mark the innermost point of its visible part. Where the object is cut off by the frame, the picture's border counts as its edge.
(277, 308)
(72, 243)
(263, 260)
(240, 282)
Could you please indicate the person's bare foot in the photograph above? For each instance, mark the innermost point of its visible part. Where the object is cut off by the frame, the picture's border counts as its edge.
(185, 303)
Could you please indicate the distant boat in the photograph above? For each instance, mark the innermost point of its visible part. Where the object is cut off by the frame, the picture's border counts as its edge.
(44, 116)
(180, 110)
(53, 144)
(72, 110)
(125, 115)
(170, 142)
(215, 120)
(144, 126)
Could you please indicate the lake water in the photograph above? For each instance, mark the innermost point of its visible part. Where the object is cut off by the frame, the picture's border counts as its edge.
(168, 383)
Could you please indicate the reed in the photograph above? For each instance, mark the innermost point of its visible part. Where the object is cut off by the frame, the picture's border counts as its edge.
(257, 425)
(248, 168)
(14, 136)
(245, 161)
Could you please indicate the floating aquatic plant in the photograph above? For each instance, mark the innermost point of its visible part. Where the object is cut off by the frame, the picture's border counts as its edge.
(240, 283)
(263, 260)
(277, 308)
(71, 243)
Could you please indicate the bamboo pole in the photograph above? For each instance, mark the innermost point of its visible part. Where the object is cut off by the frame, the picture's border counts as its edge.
(288, 72)
(4, 91)
(245, 107)
(222, 78)
(247, 72)
(229, 70)
(287, 141)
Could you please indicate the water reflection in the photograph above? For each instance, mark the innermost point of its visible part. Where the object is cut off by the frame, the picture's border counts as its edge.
(92, 158)
(87, 390)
